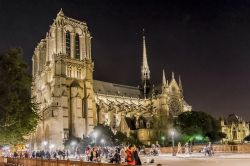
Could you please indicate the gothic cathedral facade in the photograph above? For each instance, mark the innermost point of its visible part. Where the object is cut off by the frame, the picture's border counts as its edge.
(71, 102)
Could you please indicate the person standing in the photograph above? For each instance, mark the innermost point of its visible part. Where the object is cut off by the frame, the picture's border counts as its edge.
(123, 155)
(130, 155)
(136, 156)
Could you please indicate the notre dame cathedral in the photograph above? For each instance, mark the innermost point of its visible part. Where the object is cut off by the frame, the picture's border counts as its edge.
(72, 102)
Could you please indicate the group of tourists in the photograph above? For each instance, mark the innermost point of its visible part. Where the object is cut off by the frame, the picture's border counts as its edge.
(187, 148)
(119, 154)
(124, 155)
(208, 150)
(58, 154)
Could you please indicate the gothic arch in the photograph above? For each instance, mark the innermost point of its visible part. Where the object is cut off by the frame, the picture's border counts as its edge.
(78, 31)
(77, 46)
(68, 28)
(142, 122)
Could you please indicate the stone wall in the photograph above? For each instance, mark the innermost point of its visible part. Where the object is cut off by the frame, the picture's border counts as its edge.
(41, 162)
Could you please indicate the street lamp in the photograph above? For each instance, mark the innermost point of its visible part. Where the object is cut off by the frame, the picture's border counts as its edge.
(172, 135)
(163, 140)
(103, 142)
(51, 146)
(44, 143)
(27, 146)
(95, 136)
(73, 143)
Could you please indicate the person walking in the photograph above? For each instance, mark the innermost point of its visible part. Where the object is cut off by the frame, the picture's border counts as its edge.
(179, 150)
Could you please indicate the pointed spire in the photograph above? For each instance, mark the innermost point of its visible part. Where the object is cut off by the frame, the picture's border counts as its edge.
(163, 78)
(145, 60)
(60, 12)
(145, 68)
(172, 75)
(180, 84)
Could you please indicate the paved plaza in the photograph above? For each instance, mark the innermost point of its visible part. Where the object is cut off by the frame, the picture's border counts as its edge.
(199, 160)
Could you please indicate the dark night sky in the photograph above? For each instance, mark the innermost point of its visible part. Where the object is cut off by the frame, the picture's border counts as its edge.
(207, 42)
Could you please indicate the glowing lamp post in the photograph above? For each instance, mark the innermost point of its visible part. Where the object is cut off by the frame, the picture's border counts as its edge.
(73, 144)
(172, 136)
(163, 140)
(44, 143)
(103, 142)
(51, 147)
(95, 136)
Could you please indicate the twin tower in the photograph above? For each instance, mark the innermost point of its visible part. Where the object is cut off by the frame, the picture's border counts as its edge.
(71, 102)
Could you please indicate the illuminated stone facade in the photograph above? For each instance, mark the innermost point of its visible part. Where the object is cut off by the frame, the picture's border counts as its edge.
(71, 102)
(235, 128)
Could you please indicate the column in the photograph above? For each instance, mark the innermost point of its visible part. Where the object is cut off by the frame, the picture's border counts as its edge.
(72, 45)
(52, 42)
(82, 47)
(59, 40)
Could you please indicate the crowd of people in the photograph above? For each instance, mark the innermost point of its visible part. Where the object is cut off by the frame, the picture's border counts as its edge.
(119, 154)
(58, 154)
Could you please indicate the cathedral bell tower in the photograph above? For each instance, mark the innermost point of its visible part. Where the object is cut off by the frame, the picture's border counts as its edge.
(145, 85)
(63, 83)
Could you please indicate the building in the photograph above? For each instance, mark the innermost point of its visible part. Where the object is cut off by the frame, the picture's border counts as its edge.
(71, 102)
(235, 128)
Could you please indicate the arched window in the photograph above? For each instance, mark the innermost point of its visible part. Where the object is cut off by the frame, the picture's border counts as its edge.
(68, 43)
(78, 73)
(77, 46)
(69, 71)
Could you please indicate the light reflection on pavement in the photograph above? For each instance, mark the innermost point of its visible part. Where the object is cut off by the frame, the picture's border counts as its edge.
(199, 159)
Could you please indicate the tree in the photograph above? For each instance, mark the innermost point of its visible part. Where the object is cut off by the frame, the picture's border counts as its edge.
(162, 124)
(247, 138)
(103, 132)
(106, 137)
(121, 138)
(197, 125)
(18, 112)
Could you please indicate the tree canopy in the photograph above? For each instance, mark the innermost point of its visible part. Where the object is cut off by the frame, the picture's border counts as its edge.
(18, 113)
(162, 125)
(198, 125)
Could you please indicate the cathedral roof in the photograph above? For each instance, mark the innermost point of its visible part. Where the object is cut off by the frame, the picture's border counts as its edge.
(233, 118)
(115, 89)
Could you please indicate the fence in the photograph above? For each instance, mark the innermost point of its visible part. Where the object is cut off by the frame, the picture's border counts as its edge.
(50, 162)
(244, 148)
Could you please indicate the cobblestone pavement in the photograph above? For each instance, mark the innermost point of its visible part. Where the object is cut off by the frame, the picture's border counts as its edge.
(198, 160)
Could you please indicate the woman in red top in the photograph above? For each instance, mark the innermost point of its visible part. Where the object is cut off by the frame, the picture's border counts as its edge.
(130, 155)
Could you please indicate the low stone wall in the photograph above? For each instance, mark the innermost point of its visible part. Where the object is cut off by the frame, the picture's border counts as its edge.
(244, 148)
(45, 162)
(1, 161)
